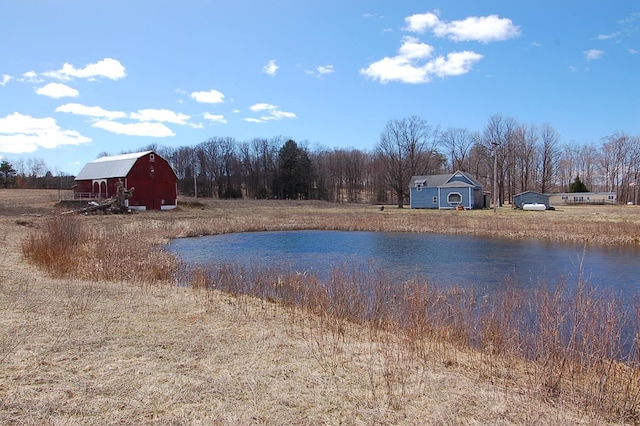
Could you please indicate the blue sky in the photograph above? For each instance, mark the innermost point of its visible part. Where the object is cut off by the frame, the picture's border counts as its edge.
(80, 77)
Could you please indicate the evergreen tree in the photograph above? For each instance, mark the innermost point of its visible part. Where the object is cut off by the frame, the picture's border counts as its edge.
(7, 173)
(293, 177)
(578, 186)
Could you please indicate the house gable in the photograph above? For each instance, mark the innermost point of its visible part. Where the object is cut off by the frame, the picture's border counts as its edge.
(461, 178)
(446, 191)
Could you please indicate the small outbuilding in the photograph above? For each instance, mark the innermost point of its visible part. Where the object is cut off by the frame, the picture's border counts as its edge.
(459, 190)
(531, 198)
(154, 183)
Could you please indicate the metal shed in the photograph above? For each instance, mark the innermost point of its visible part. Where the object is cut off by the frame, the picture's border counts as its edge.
(531, 197)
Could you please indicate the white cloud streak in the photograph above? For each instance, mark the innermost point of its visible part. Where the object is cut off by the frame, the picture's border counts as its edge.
(593, 54)
(414, 64)
(161, 115)
(215, 118)
(210, 97)
(90, 111)
(483, 29)
(23, 134)
(274, 113)
(157, 130)
(57, 91)
(31, 77)
(107, 68)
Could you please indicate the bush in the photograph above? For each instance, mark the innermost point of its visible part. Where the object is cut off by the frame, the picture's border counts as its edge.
(55, 247)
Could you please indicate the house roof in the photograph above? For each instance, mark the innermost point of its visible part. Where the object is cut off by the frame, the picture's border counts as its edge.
(110, 167)
(444, 180)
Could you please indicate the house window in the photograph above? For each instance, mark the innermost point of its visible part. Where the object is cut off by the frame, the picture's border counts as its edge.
(454, 198)
(419, 187)
(435, 200)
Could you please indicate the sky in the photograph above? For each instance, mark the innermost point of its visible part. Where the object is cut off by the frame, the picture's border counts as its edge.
(79, 78)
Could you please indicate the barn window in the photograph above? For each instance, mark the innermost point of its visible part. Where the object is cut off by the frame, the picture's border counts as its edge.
(152, 157)
(454, 198)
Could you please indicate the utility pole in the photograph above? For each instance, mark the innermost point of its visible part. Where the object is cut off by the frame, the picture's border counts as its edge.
(495, 176)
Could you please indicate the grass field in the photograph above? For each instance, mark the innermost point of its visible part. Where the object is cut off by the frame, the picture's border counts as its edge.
(104, 337)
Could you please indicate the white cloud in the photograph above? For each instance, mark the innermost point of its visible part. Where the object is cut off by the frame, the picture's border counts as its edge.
(406, 67)
(108, 68)
(271, 68)
(31, 77)
(262, 107)
(325, 69)
(273, 113)
(160, 115)
(23, 133)
(279, 115)
(96, 112)
(57, 91)
(608, 36)
(421, 22)
(5, 79)
(156, 130)
(484, 29)
(592, 54)
(632, 51)
(456, 63)
(216, 118)
(210, 97)
(413, 49)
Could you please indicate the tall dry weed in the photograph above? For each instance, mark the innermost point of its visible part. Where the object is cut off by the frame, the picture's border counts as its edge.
(573, 343)
(65, 246)
(56, 247)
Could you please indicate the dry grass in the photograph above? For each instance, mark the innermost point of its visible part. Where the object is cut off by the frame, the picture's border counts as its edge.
(109, 347)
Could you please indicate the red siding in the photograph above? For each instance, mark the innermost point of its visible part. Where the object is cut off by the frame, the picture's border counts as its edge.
(154, 182)
(152, 177)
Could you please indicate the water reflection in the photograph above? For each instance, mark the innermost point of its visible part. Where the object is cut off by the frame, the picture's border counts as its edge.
(440, 259)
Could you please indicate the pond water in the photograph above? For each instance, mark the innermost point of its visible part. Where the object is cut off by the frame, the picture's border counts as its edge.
(440, 259)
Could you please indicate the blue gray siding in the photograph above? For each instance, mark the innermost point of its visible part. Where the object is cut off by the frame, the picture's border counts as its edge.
(530, 197)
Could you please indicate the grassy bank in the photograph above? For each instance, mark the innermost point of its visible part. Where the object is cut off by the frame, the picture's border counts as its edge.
(104, 337)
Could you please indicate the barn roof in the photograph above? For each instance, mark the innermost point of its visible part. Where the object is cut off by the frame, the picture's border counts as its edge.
(110, 167)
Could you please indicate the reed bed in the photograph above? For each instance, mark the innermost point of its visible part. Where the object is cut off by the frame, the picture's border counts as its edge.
(570, 348)
(562, 344)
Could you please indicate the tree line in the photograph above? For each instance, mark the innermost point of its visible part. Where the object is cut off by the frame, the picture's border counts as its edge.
(526, 156)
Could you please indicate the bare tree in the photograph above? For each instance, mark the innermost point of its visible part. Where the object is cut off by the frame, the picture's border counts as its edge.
(457, 144)
(405, 149)
(498, 138)
(548, 156)
(525, 138)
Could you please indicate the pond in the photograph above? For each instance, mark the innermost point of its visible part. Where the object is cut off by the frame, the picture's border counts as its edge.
(439, 259)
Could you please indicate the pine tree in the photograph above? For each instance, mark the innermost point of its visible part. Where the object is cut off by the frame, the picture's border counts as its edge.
(578, 186)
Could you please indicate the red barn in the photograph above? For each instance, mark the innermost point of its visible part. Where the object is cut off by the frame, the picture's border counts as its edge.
(155, 182)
